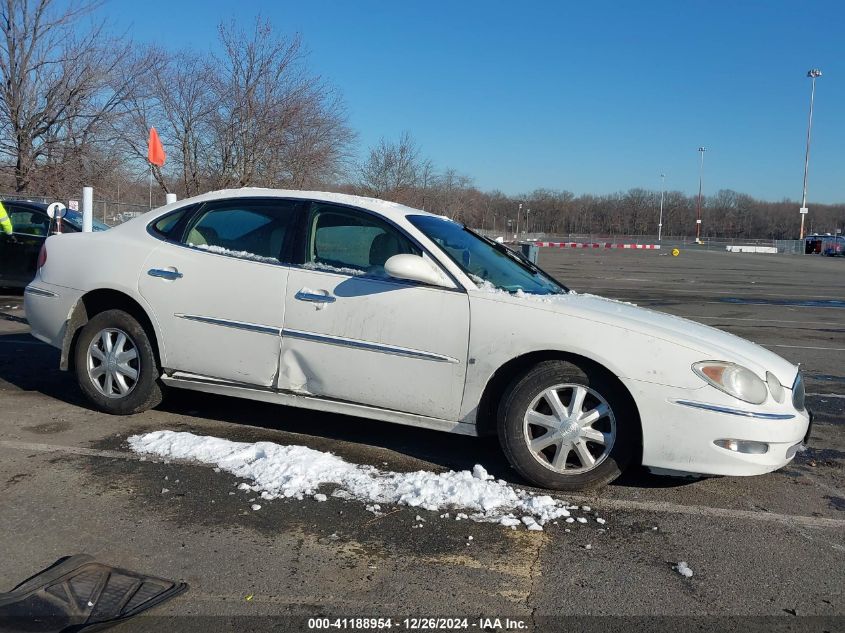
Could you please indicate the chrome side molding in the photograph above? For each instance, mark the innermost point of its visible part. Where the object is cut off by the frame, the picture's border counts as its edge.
(320, 338)
(238, 325)
(33, 290)
(366, 345)
(731, 411)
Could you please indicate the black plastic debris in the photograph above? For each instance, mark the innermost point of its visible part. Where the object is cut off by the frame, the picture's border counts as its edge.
(78, 594)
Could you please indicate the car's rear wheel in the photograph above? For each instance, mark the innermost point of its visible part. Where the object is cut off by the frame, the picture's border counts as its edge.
(115, 364)
(567, 426)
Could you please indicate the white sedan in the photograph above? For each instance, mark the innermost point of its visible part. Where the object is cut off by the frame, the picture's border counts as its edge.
(372, 309)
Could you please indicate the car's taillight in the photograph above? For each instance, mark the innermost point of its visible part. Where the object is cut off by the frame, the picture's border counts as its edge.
(42, 255)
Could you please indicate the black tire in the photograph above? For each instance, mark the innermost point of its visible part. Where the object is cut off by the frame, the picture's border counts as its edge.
(525, 389)
(145, 392)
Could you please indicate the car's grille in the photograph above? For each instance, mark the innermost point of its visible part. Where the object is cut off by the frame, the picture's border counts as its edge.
(798, 392)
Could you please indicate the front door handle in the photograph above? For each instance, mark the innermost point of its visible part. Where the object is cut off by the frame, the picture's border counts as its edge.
(164, 273)
(313, 297)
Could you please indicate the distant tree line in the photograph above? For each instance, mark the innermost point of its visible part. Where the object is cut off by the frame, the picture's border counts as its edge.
(398, 171)
(77, 102)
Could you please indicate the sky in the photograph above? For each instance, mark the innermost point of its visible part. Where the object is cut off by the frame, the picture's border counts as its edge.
(591, 97)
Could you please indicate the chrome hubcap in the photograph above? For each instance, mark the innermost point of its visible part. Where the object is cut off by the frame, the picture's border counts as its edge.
(113, 363)
(569, 428)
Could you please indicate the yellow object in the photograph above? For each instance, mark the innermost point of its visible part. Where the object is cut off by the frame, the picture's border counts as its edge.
(5, 221)
(675, 252)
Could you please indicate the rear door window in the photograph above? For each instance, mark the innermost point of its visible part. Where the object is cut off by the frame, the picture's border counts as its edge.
(258, 230)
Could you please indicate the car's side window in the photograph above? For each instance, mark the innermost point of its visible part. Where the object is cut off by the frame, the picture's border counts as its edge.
(170, 226)
(29, 222)
(351, 242)
(254, 230)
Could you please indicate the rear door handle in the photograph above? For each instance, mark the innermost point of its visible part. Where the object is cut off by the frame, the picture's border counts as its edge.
(164, 273)
(305, 295)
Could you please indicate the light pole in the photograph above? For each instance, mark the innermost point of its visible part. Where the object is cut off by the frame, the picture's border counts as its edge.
(701, 151)
(812, 74)
(660, 221)
(518, 213)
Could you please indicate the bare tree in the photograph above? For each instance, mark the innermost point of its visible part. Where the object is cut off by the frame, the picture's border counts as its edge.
(392, 169)
(61, 82)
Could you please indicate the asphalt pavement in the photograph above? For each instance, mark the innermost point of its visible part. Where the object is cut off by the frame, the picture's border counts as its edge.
(767, 552)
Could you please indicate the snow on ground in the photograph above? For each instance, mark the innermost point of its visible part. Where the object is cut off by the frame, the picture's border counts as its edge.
(279, 471)
(683, 569)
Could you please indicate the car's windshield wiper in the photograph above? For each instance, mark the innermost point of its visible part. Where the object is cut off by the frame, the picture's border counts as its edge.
(518, 257)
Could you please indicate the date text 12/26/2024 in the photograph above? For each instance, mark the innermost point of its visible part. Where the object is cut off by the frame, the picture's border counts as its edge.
(417, 624)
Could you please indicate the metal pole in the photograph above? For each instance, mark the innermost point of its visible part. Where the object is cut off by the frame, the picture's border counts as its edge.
(701, 151)
(813, 74)
(518, 213)
(87, 209)
(660, 221)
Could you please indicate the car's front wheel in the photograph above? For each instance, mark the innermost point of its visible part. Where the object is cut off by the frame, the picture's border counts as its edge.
(567, 426)
(115, 364)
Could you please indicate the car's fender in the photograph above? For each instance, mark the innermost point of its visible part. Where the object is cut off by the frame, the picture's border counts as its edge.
(504, 329)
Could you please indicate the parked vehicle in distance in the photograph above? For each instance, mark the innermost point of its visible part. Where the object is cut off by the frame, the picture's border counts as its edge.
(813, 244)
(31, 226)
(833, 246)
(363, 307)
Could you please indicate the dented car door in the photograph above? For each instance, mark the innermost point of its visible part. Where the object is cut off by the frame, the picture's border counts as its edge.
(352, 333)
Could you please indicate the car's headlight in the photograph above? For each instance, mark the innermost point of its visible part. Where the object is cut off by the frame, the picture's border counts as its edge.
(734, 380)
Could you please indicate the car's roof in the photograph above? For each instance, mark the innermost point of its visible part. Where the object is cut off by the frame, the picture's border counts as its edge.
(41, 206)
(391, 210)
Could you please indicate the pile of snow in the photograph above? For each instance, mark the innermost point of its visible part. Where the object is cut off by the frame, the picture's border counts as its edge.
(220, 250)
(278, 471)
(683, 569)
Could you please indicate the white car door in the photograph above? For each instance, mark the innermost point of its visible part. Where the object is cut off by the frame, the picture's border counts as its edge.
(353, 334)
(216, 285)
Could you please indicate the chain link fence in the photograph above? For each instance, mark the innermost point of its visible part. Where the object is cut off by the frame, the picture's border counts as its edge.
(109, 212)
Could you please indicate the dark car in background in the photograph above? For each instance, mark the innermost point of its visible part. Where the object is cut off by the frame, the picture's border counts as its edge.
(833, 246)
(813, 244)
(31, 226)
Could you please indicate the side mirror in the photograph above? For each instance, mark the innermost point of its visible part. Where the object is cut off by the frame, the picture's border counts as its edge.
(414, 268)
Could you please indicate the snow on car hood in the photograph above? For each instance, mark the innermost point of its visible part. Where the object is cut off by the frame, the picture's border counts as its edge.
(711, 343)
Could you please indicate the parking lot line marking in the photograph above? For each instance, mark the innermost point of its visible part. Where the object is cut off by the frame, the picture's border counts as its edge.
(766, 305)
(743, 291)
(617, 504)
(828, 349)
(23, 342)
(74, 450)
(718, 318)
(825, 395)
(707, 511)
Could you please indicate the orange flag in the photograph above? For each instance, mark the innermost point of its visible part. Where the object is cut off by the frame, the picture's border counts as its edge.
(155, 150)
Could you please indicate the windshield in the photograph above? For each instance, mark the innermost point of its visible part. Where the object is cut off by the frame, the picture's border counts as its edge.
(486, 261)
(75, 218)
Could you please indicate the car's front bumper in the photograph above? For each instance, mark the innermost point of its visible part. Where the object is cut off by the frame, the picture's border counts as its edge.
(680, 428)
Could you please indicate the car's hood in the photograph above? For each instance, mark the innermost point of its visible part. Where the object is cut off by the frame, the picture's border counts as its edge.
(711, 343)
